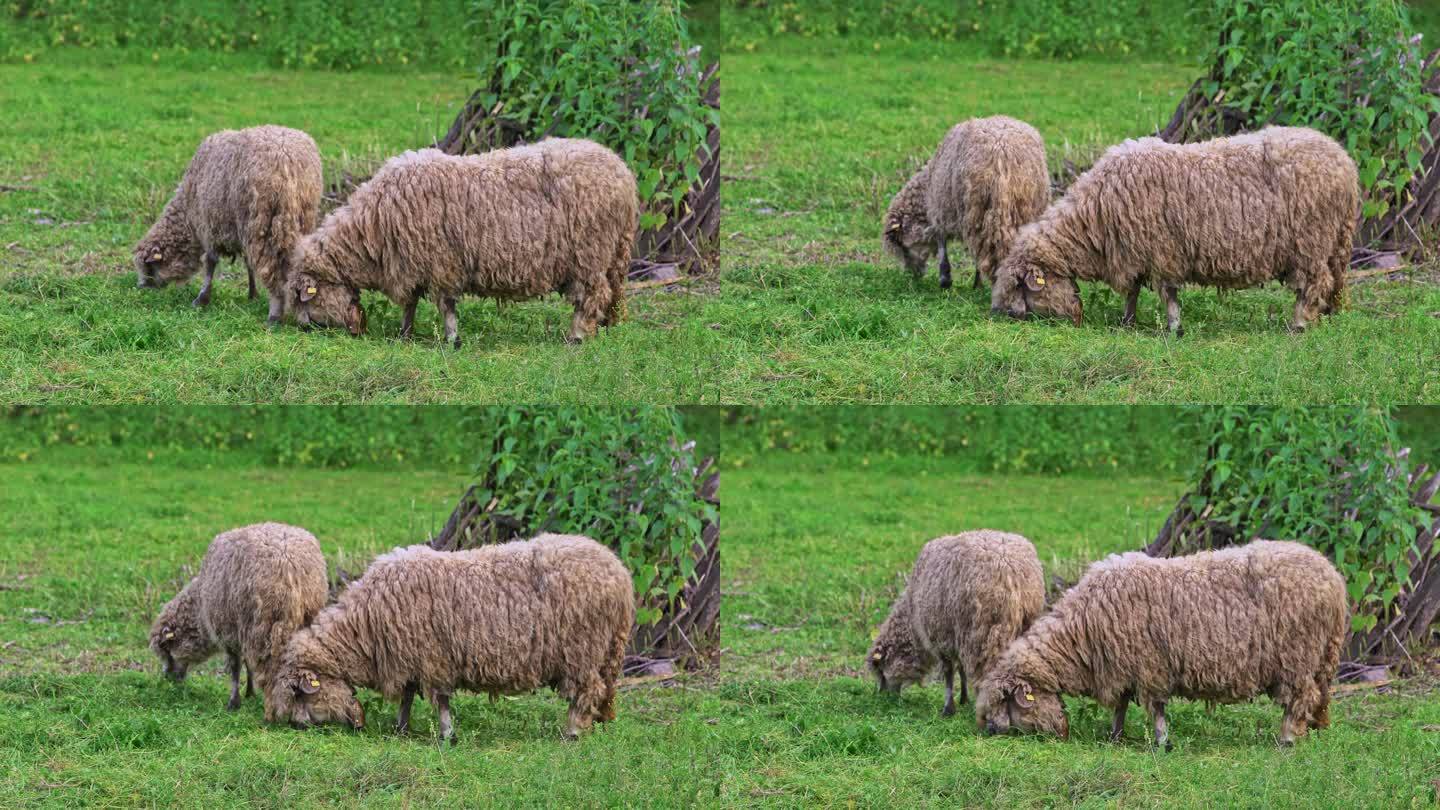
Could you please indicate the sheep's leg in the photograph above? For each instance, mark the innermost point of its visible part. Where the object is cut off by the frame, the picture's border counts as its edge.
(944, 267)
(1171, 296)
(203, 299)
(277, 309)
(407, 699)
(249, 681)
(1162, 731)
(442, 704)
(452, 321)
(1117, 724)
(408, 321)
(949, 669)
(232, 664)
(250, 271)
(1132, 297)
(964, 694)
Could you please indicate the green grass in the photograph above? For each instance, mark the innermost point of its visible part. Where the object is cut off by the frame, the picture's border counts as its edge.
(816, 549)
(94, 144)
(821, 133)
(95, 541)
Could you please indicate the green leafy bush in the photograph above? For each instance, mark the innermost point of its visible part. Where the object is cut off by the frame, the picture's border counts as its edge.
(1345, 67)
(1324, 476)
(622, 476)
(582, 68)
(1013, 439)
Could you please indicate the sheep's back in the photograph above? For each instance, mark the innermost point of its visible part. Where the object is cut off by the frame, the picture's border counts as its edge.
(261, 184)
(1221, 626)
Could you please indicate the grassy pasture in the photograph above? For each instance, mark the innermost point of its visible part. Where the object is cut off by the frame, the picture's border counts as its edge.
(93, 148)
(815, 549)
(828, 131)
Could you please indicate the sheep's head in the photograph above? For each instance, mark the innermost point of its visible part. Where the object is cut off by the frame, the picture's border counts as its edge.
(324, 303)
(907, 237)
(304, 698)
(1023, 286)
(158, 263)
(896, 662)
(1006, 703)
(178, 642)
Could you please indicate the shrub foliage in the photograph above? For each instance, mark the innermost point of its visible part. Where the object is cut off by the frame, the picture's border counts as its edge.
(1325, 476)
(584, 470)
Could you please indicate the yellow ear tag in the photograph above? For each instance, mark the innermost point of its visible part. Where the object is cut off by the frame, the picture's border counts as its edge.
(314, 682)
(894, 226)
(169, 635)
(309, 290)
(876, 657)
(156, 257)
(1040, 281)
(1029, 697)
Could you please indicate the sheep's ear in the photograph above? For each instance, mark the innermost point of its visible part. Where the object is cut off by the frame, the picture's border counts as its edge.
(306, 286)
(167, 635)
(1034, 280)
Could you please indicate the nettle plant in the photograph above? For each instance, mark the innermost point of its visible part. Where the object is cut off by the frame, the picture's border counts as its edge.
(613, 71)
(622, 476)
(1328, 477)
(1346, 67)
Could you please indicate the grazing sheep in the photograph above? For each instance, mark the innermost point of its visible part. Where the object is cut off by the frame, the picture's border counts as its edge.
(987, 179)
(250, 193)
(1220, 626)
(1233, 212)
(554, 611)
(968, 597)
(556, 216)
(257, 585)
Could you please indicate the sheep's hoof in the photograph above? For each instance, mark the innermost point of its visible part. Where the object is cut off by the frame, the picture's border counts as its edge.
(1296, 329)
(271, 323)
(571, 340)
(233, 703)
(201, 301)
(570, 735)
(948, 710)
(945, 282)
(456, 344)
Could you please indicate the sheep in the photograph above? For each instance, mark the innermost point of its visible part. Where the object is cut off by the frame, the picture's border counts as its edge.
(1233, 212)
(257, 585)
(1221, 626)
(250, 193)
(987, 178)
(553, 611)
(556, 216)
(968, 597)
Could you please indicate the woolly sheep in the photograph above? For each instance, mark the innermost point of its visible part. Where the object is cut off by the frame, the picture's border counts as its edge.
(1220, 626)
(968, 597)
(250, 193)
(986, 179)
(1233, 212)
(556, 216)
(257, 585)
(554, 611)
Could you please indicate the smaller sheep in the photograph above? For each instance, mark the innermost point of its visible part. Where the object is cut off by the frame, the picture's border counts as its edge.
(1237, 212)
(968, 597)
(257, 585)
(556, 216)
(250, 193)
(986, 180)
(554, 611)
(1221, 626)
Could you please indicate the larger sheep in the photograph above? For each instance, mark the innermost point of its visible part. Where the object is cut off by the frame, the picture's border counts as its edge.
(256, 586)
(968, 597)
(1220, 626)
(986, 179)
(250, 193)
(555, 611)
(556, 216)
(1278, 204)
